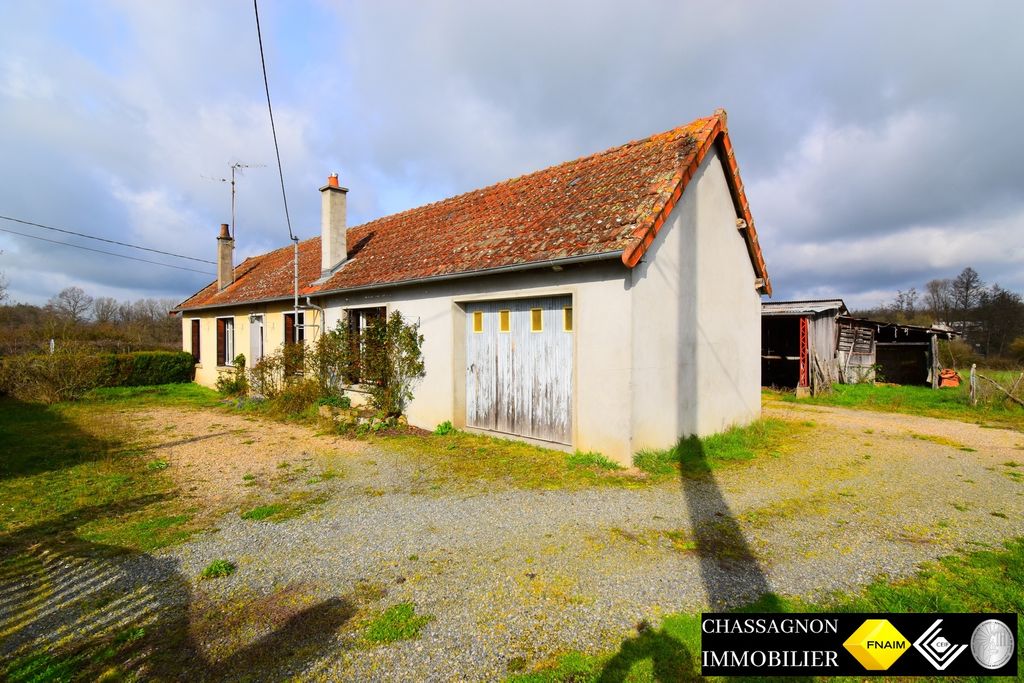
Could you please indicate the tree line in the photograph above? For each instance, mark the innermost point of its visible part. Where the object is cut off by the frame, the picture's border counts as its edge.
(104, 323)
(989, 318)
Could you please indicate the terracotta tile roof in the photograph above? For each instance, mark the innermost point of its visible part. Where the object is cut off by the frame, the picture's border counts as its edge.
(613, 201)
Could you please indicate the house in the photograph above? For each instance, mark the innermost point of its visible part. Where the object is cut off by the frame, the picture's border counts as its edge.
(806, 344)
(609, 303)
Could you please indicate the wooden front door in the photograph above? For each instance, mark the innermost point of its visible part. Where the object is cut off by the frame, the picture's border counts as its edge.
(519, 357)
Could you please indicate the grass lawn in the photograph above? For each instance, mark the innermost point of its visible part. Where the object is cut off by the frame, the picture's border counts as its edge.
(985, 581)
(79, 469)
(950, 403)
(462, 456)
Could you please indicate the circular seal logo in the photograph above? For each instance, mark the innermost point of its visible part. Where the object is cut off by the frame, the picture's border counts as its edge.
(992, 644)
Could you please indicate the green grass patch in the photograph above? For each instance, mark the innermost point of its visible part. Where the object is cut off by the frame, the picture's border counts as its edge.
(591, 459)
(949, 403)
(461, 457)
(218, 569)
(695, 455)
(984, 581)
(398, 622)
(78, 469)
(263, 512)
(288, 507)
(183, 395)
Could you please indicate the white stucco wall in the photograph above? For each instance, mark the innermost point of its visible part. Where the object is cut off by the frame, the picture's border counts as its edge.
(601, 378)
(695, 321)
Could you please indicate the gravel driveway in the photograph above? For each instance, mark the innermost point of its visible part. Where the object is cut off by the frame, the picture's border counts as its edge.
(525, 574)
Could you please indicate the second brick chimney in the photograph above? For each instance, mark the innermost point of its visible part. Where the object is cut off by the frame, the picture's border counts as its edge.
(333, 245)
(225, 257)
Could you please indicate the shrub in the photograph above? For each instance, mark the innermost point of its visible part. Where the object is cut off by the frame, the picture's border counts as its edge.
(335, 400)
(298, 396)
(64, 375)
(1017, 349)
(393, 357)
(956, 353)
(234, 382)
(146, 368)
(444, 428)
(266, 378)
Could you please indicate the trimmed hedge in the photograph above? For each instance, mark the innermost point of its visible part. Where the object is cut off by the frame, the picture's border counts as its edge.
(144, 368)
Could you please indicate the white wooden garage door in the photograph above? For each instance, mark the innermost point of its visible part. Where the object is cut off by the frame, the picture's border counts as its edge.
(519, 367)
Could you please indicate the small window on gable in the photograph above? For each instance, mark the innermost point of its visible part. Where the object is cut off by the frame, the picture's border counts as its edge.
(536, 320)
(567, 318)
(478, 321)
(504, 322)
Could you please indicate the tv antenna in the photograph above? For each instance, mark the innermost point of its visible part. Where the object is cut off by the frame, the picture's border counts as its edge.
(236, 168)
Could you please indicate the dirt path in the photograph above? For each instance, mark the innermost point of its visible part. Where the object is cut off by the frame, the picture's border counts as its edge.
(527, 574)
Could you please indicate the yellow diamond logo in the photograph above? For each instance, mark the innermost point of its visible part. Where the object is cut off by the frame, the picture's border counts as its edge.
(876, 644)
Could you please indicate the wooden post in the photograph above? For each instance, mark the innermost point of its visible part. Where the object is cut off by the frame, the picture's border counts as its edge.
(974, 384)
(936, 365)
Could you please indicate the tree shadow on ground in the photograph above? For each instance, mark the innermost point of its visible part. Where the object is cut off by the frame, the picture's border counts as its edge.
(71, 609)
(36, 438)
(730, 573)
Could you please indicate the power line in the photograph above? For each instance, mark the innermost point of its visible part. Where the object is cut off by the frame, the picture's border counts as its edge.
(100, 251)
(273, 129)
(101, 239)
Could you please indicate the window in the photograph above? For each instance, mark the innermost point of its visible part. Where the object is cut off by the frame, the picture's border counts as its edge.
(294, 330)
(478, 322)
(225, 341)
(504, 324)
(294, 333)
(536, 320)
(195, 341)
(359, 320)
(567, 318)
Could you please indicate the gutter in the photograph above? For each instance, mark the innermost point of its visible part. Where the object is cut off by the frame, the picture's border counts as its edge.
(514, 268)
(323, 315)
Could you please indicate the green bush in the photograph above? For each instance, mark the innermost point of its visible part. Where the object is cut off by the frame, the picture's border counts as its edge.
(336, 401)
(298, 396)
(234, 382)
(445, 428)
(147, 368)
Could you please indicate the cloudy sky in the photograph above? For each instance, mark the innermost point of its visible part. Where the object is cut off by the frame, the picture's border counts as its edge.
(881, 143)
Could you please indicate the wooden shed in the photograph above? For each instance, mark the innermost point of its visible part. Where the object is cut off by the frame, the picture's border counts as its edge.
(807, 344)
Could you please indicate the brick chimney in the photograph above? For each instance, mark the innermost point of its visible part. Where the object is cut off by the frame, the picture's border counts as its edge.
(225, 257)
(333, 245)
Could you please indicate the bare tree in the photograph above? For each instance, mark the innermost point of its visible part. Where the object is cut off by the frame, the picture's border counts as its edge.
(939, 300)
(72, 304)
(966, 290)
(104, 309)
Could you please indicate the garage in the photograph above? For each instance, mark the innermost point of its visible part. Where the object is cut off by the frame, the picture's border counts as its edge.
(519, 367)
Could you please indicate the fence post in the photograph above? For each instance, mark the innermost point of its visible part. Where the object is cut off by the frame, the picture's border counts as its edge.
(51, 346)
(974, 384)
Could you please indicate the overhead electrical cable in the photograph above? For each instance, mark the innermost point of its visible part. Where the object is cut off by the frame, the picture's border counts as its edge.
(102, 239)
(100, 251)
(273, 129)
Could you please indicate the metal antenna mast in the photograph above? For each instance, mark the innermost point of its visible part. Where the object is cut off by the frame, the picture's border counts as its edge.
(235, 168)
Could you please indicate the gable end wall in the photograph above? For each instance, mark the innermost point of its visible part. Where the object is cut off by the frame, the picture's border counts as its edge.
(696, 321)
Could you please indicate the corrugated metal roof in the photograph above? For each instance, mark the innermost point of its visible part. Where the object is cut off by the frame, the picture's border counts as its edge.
(808, 307)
